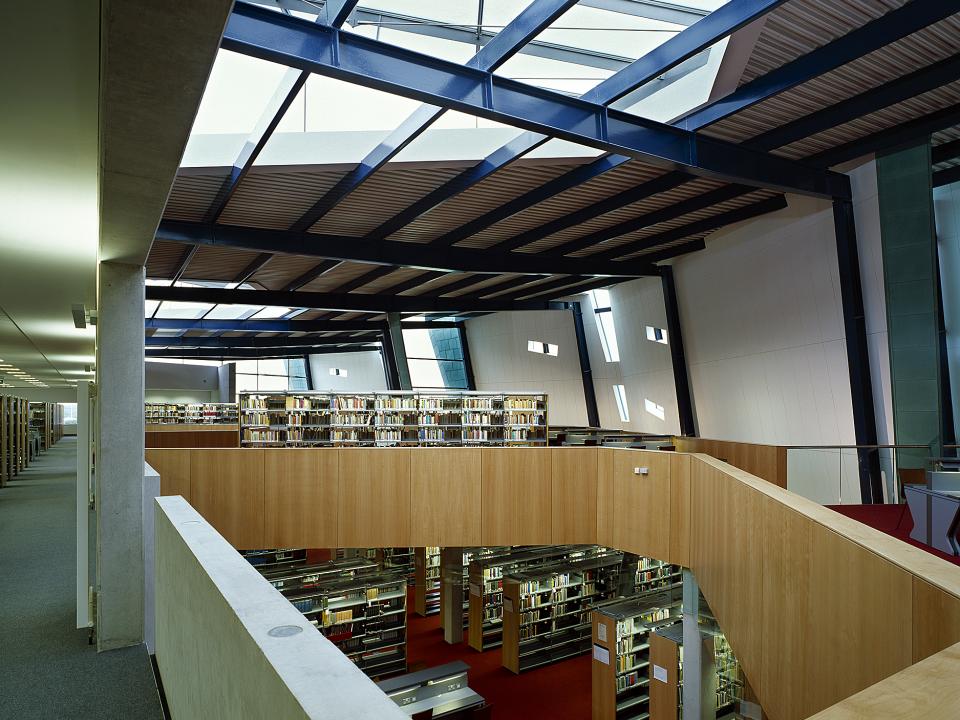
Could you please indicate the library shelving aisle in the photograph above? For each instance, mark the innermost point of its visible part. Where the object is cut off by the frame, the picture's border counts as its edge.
(390, 419)
(426, 565)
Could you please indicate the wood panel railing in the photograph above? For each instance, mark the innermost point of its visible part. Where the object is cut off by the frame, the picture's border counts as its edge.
(816, 606)
(768, 462)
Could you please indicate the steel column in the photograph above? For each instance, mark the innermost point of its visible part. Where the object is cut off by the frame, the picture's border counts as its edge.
(467, 363)
(589, 391)
(399, 350)
(681, 379)
(858, 354)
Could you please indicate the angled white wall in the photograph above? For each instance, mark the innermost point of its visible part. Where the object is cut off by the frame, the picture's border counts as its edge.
(946, 203)
(364, 372)
(501, 361)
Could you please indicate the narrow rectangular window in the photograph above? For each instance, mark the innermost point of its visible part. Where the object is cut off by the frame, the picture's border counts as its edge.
(605, 328)
(542, 348)
(341, 372)
(620, 394)
(657, 335)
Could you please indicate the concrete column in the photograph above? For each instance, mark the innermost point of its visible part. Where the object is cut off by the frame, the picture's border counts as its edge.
(120, 457)
(699, 673)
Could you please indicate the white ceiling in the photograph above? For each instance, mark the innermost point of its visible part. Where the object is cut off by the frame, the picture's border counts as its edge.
(48, 187)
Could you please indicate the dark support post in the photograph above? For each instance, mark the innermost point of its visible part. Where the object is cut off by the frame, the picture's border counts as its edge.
(589, 392)
(467, 363)
(858, 356)
(306, 367)
(389, 362)
(681, 380)
(399, 349)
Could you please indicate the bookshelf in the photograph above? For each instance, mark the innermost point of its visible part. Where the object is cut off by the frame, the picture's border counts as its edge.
(426, 567)
(392, 419)
(546, 611)
(621, 666)
(364, 616)
(190, 413)
(284, 558)
(485, 629)
(398, 559)
(652, 574)
(40, 419)
(301, 578)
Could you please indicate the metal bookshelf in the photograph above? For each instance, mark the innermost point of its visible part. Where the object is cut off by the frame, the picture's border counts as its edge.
(426, 598)
(190, 413)
(391, 419)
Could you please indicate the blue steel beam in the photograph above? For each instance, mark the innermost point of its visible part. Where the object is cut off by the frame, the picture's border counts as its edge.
(527, 25)
(287, 90)
(889, 28)
(396, 254)
(696, 38)
(265, 325)
(352, 58)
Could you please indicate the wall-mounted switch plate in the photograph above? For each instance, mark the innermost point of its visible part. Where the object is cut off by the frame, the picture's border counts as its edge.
(641, 471)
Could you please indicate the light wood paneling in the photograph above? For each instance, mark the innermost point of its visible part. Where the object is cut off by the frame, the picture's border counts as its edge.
(664, 695)
(445, 497)
(226, 487)
(174, 469)
(864, 629)
(926, 691)
(516, 499)
(374, 507)
(679, 510)
(641, 511)
(574, 498)
(605, 458)
(936, 620)
(725, 556)
(604, 675)
(510, 650)
(301, 489)
(768, 462)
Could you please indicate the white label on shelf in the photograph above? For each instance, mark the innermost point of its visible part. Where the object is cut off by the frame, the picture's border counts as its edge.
(601, 654)
(601, 632)
(475, 589)
(508, 605)
(660, 673)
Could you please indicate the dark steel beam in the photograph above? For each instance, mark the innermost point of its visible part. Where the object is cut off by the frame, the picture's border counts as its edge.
(509, 284)
(467, 362)
(289, 326)
(747, 212)
(361, 280)
(888, 28)
(308, 372)
(858, 351)
(349, 302)
(945, 151)
(450, 287)
(551, 287)
(414, 282)
(889, 138)
(346, 56)
(526, 26)
(255, 342)
(247, 353)
(390, 369)
(184, 263)
(946, 177)
(565, 182)
(255, 266)
(671, 212)
(586, 373)
(681, 379)
(576, 287)
(312, 274)
(398, 254)
(897, 90)
(669, 253)
(645, 190)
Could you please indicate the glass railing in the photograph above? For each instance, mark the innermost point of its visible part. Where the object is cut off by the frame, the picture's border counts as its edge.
(830, 475)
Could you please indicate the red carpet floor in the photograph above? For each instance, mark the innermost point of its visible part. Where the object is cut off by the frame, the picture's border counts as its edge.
(560, 691)
(893, 520)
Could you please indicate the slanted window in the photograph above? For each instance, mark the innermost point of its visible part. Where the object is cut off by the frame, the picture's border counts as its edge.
(620, 395)
(603, 312)
(654, 409)
(657, 335)
(542, 348)
(339, 372)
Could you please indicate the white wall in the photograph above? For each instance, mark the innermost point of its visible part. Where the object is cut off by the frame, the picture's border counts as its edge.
(501, 361)
(645, 368)
(181, 383)
(364, 372)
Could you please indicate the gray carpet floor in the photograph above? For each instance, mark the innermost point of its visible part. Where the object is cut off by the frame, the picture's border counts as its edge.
(47, 669)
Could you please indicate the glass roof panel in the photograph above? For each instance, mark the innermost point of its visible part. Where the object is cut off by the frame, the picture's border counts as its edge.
(460, 12)
(182, 310)
(272, 313)
(232, 312)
